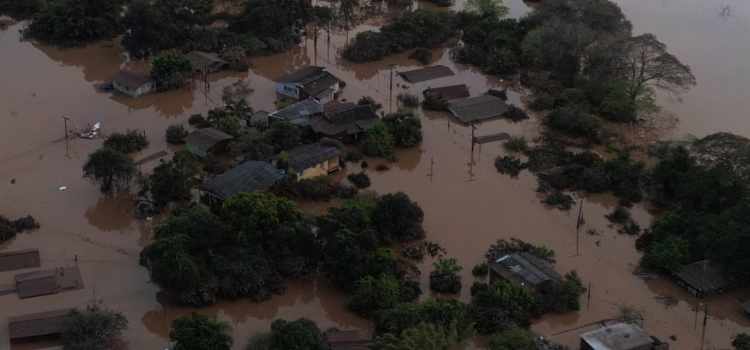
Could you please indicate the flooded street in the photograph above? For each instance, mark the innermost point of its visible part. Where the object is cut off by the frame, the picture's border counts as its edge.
(467, 204)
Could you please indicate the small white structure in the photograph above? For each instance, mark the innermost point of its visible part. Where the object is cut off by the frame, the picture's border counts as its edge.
(309, 82)
(620, 336)
(132, 83)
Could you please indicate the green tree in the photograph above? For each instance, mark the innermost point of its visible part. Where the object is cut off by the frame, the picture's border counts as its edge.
(444, 277)
(21, 10)
(93, 329)
(423, 336)
(406, 129)
(75, 22)
(378, 142)
(283, 136)
(499, 305)
(172, 180)
(667, 255)
(198, 332)
(129, 142)
(741, 342)
(373, 294)
(176, 134)
(170, 70)
(112, 170)
(301, 334)
(513, 339)
(257, 215)
(153, 26)
(398, 218)
(490, 8)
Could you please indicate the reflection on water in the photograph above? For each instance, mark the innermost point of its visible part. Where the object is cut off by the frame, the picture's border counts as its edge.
(467, 204)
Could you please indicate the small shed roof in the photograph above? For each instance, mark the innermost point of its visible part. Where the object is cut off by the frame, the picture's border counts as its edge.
(703, 276)
(477, 109)
(19, 259)
(525, 268)
(320, 84)
(344, 119)
(38, 324)
(447, 93)
(425, 74)
(46, 282)
(619, 336)
(205, 61)
(299, 113)
(205, 139)
(307, 156)
(249, 176)
(131, 79)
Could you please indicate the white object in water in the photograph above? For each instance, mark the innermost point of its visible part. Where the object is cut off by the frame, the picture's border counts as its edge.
(62, 188)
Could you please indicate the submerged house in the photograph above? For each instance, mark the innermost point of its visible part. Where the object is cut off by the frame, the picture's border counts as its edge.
(346, 340)
(309, 82)
(702, 278)
(203, 142)
(621, 336)
(344, 121)
(47, 282)
(205, 62)
(477, 109)
(523, 269)
(447, 93)
(298, 113)
(19, 259)
(249, 176)
(313, 160)
(41, 324)
(133, 84)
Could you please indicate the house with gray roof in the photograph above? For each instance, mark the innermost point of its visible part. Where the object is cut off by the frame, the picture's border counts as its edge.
(38, 324)
(47, 282)
(205, 62)
(19, 259)
(313, 160)
(298, 113)
(620, 336)
(132, 83)
(477, 109)
(344, 121)
(309, 82)
(249, 176)
(523, 269)
(702, 278)
(204, 141)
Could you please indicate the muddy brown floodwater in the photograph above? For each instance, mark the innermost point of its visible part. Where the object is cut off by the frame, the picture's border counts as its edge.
(467, 204)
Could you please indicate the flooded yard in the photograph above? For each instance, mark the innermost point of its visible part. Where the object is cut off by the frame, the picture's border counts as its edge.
(467, 204)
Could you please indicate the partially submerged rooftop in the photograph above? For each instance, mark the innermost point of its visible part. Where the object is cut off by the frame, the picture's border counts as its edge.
(38, 324)
(524, 269)
(703, 278)
(314, 80)
(19, 259)
(619, 336)
(477, 109)
(299, 113)
(249, 176)
(202, 140)
(427, 73)
(447, 93)
(340, 119)
(205, 61)
(347, 340)
(131, 79)
(47, 282)
(307, 156)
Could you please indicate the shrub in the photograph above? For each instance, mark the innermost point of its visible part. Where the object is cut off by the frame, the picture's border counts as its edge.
(422, 55)
(542, 102)
(93, 329)
(481, 270)
(198, 121)
(170, 70)
(196, 332)
(111, 169)
(559, 200)
(444, 278)
(369, 101)
(574, 122)
(318, 188)
(301, 334)
(176, 134)
(408, 100)
(406, 129)
(361, 180)
(516, 144)
(129, 142)
(378, 142)
(515, 114)
(509, 165)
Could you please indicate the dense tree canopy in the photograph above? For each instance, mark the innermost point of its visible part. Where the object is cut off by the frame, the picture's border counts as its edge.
(73, 22)
(152, 26)
(170, 70)
(93, 329)
(301, 334)
(198, 332)
(111, 169)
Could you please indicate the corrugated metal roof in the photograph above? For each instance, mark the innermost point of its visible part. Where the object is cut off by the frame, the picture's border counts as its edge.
(447, 93)
(19, 259)
(249, 176)
(38, 324)
(301, 74)
(425, 74)
(131, 79)
(205, 139)
(308, 156)
(620, 336)
(704, 276)
(477, 109)
(299, 113)
(526, 268)
(46, 282)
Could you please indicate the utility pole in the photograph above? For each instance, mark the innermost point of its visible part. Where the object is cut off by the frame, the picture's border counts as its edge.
(579, 223)
(705, 323)
(66, 118)
(588, 305)
(390, 91)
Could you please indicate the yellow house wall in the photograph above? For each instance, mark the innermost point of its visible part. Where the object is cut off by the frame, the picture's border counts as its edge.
(321, 169)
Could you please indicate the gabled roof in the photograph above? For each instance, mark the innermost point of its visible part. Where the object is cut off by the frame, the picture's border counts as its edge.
(314, 80)
(249, 176)
(448, 93)
(704, 276)
(344, 119)
(307, 156)
(46, 282)
(428, 73)
(525, 268)
(299, 113)
(204, 139)
(620, 336)
(131, 79)
(38, 324)
(477, 109)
